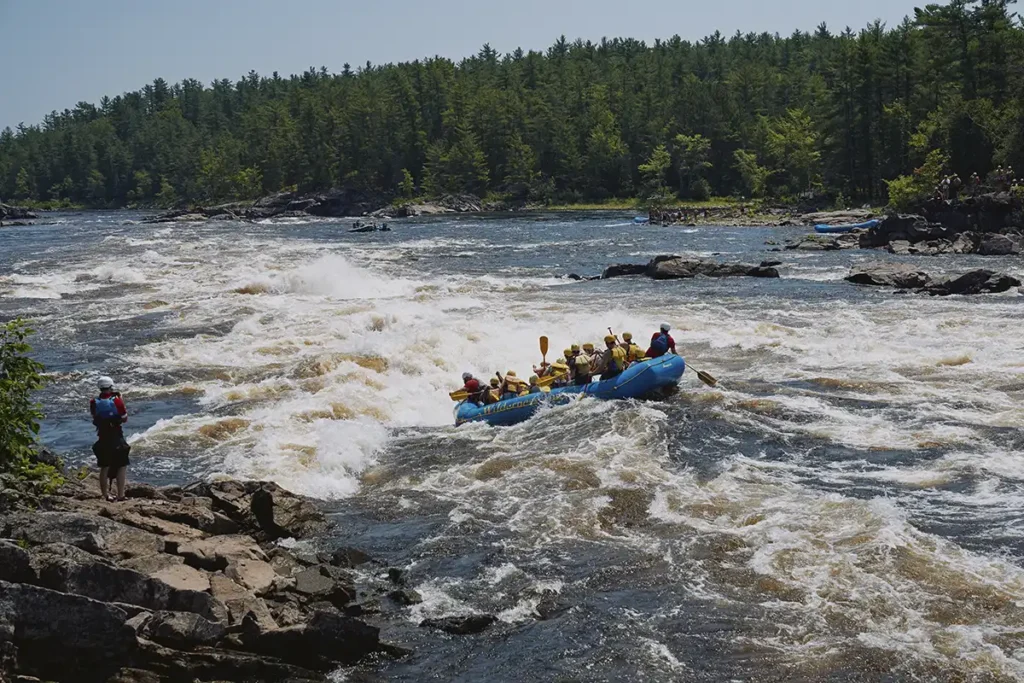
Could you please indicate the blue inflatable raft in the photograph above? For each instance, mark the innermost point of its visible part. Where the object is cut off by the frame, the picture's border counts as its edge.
(638, 380)
(846, 228)
(641, 220)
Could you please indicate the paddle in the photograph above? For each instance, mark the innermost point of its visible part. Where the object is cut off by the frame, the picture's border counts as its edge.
(703, 376)
(460, 395)
(543, 351)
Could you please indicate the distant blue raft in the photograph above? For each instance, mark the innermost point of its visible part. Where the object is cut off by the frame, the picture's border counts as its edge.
(846, 228)
(641, 220)
(640, 379)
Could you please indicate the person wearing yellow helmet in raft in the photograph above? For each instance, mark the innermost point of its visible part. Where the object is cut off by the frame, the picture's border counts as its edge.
(560, 370)
(581, 365)
(634, 354)
(613, 361)
(536, 388)
(513, 386)
(493, 395)
(570, 360)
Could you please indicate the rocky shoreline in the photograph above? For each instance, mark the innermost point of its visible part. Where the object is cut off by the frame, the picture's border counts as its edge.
(198, 582)
(11, 216)
(988, 225)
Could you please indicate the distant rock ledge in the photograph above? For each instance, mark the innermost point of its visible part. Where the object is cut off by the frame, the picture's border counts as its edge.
(336, 203)
(673, 267)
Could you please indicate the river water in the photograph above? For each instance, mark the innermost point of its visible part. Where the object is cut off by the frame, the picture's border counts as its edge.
(847, 505)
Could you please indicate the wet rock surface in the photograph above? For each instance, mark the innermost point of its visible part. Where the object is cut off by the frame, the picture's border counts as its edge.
(905, 276)
(179, 584)
(672, 267)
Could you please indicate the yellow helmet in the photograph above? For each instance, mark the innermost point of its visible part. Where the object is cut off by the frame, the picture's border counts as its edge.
(534, 379)
(494, 381)
(575, 347)
(626, 336)
(609, 339)
(567, 352)
(511, 373)
(560, 366)
(588, 347)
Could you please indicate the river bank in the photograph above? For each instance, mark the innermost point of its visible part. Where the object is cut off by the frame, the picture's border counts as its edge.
(207, 581)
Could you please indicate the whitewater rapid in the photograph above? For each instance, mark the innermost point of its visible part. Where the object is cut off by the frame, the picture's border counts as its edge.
(848, 500)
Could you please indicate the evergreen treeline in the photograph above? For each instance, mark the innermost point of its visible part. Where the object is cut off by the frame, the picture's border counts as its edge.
(751, 115)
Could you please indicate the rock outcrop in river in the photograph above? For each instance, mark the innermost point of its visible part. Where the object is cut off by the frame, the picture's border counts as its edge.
(335, 203)
(671, 267)
(15, 213)
(177, 583)
(905, 276)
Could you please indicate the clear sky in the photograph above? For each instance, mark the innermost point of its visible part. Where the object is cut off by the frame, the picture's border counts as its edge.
(55, 53)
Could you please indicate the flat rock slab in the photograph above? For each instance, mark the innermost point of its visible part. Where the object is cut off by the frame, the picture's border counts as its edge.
(90, 533)
(184, 578)
(256, 575)
(214, 554)
(241, 602)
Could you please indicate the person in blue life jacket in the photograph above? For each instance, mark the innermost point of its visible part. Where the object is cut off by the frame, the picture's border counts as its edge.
(109, 413)
(661, 342)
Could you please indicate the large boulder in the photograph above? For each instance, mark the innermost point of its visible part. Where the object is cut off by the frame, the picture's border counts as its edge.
(204, 664)
(90, 533)
(11, 213)
(322, 643)
(674, 267)
(181, 630)
(70, 570)
(15, 564)
(899, 275)
(63, 636)
(266, 507)
(464, 625)
(980, 281)
(998, 245)
(240, 602)
(624, 269)
(215, 554)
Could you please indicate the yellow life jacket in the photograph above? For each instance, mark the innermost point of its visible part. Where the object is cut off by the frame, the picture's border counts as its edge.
(582, 364)
(617, 359)
(634, 353)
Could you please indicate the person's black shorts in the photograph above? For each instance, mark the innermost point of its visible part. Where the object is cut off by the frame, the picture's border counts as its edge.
(112, 452)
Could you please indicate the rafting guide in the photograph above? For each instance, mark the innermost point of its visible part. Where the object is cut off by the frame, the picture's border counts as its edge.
(109, 413)
(620, 371)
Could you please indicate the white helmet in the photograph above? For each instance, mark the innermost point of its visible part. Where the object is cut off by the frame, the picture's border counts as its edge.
(105, 383)
(466, 376)
(665, 327)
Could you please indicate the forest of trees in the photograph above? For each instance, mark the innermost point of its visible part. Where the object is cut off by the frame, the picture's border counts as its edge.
(755, 115)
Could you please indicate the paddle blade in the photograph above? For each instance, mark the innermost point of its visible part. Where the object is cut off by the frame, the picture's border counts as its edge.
(460, 395)
(706, 378)
(544, 346)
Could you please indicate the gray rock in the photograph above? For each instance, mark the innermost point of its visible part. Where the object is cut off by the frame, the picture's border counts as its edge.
(349, 558)
(899, 275)
(182, 630)
(241, 602)
(623, 269)
(899, 247)
(15, 565)
(406, 596)
(322, 643)
(321, 583)
(998, 245)
(674, 267)
(93, 534)
(204, 664)
(71, 570)
(981, 281)
(8, 212)
(474, 623)
(60, 635)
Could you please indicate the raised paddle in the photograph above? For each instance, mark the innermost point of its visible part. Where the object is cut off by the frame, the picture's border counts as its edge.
(543, 351)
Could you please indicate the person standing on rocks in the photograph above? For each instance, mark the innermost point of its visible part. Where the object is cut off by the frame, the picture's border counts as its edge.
(109, 413)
